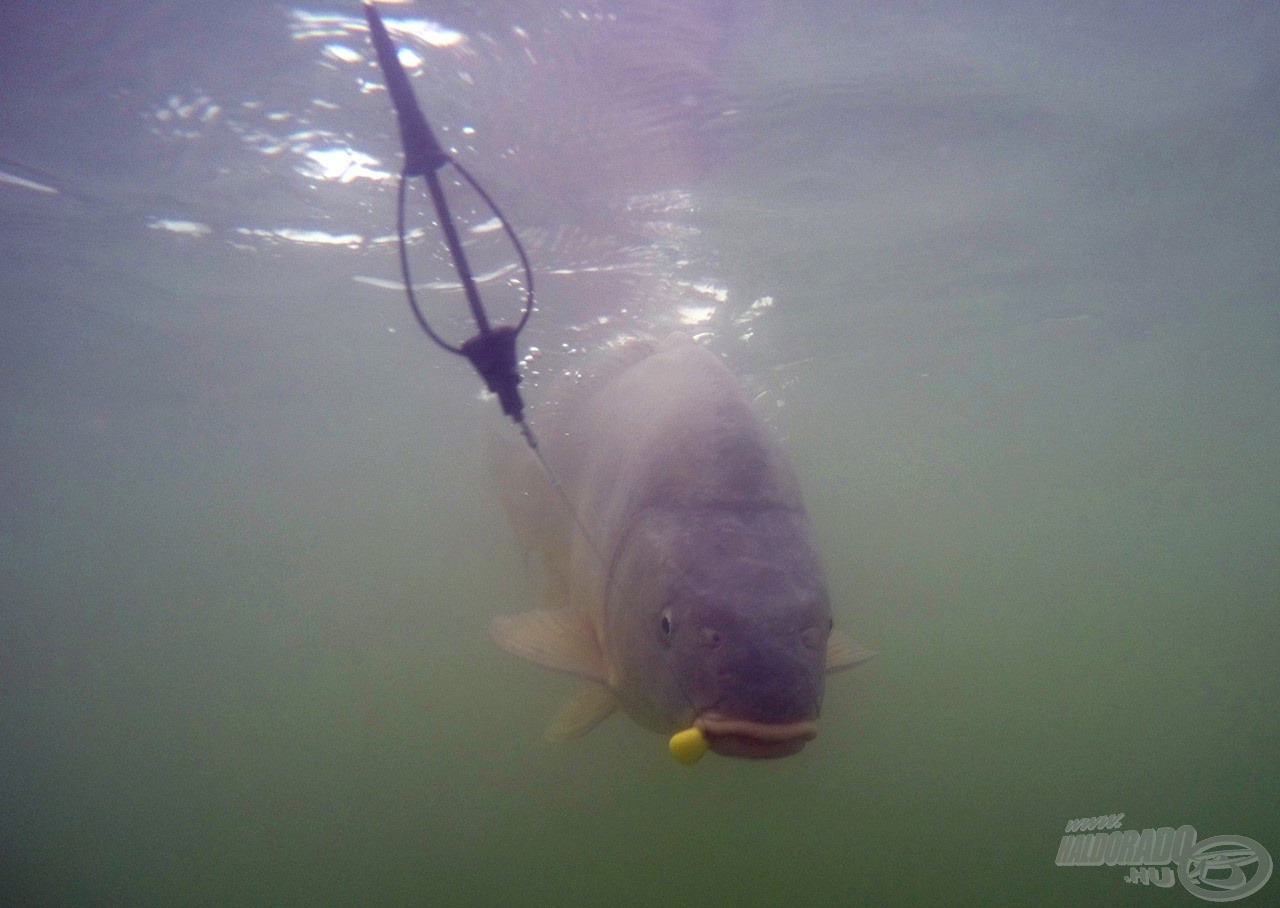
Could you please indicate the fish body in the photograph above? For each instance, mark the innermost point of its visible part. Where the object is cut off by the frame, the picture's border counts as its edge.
(683, 585)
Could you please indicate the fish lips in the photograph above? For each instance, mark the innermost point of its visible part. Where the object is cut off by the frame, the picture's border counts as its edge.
(733, 737)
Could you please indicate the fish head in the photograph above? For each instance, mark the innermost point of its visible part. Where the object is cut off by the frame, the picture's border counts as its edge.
(719, 618)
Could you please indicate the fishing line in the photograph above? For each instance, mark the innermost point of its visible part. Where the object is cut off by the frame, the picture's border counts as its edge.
(492, 351)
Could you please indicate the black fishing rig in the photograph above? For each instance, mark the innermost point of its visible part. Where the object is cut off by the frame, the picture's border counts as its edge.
(492, 351)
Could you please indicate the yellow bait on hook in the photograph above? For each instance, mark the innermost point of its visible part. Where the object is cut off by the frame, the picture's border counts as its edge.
(689, 745)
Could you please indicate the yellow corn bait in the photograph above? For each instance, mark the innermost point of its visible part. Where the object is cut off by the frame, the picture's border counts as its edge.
(688, 746)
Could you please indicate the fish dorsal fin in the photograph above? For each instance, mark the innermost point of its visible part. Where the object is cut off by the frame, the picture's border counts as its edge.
(561, 639)
(588, 707)
(843, 653)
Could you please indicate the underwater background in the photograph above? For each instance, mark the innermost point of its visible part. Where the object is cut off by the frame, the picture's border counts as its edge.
(1004, 276)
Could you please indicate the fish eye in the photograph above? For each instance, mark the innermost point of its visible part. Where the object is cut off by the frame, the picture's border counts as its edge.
(665, 622)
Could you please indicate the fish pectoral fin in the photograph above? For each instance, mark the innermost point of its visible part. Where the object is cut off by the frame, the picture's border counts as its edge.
(843, 652)
(586, 709)
(559, 639)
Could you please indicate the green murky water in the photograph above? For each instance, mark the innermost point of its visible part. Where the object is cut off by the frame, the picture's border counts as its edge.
(1024, 338)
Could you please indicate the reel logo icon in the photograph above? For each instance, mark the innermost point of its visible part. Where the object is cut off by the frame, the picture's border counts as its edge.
(1225, 868)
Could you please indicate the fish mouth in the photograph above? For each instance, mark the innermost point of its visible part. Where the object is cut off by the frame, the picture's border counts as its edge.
(732, 737)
